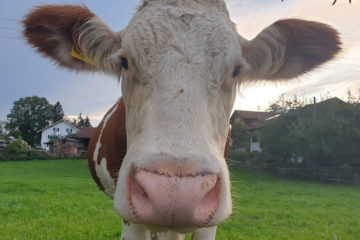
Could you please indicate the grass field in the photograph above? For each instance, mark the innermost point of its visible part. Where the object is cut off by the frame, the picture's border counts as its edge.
(59, 200)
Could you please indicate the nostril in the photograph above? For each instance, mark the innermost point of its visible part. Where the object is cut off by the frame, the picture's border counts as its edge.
(138, 197)
(208, 205)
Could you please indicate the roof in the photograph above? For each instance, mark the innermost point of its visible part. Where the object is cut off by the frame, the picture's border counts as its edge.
(254, 118)
(330, 101)
(251, 115)
(62, 120)
(86, 132)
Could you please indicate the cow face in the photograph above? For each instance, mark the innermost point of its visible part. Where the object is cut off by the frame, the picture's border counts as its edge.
(180, 64)
(179, 83)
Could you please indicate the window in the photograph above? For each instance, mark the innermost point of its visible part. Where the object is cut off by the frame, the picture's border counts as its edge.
(254, 139)
(56, 129)
(69, 130)
(49, 136)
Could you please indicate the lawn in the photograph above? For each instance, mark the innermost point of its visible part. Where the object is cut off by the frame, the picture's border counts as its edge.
(58, 200)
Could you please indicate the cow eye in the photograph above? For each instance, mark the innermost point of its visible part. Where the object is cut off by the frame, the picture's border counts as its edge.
(124, 63)
(236, 71)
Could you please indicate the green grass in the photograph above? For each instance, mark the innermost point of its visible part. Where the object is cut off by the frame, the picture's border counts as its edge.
(58, 200)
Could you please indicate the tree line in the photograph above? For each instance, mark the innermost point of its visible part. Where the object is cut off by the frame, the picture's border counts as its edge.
(28, 115)
(307, 133)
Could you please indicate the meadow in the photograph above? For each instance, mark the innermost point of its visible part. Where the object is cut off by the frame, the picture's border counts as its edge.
(57, 199)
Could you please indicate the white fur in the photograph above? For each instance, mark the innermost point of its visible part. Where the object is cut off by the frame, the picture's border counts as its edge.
(266, 53)
(101, 170)
(137, 231)
(99, 43)
(204, 233)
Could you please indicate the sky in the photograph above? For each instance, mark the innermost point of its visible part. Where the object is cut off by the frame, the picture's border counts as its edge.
(26, 73)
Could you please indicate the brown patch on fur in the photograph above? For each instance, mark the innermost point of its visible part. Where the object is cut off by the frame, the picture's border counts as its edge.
(308, 44)
(113, 143)
(227, 145)
(46, 26)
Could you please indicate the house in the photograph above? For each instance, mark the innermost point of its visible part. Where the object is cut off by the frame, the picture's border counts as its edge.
(65, 147)
(57, 130)
(84, 139)
(2, 124)
(75, 146)
(2, 127)
(253, 121)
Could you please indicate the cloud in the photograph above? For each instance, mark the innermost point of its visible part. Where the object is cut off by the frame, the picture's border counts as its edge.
(335, 77)
(25, 73)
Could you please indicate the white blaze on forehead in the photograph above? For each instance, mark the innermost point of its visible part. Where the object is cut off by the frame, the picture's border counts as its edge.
(101, 169)
(163, 34)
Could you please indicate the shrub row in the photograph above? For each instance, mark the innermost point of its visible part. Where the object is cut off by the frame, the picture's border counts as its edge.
(32, 155)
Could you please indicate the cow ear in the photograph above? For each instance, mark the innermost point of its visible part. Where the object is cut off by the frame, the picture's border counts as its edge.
(73, 37)
(289, 48)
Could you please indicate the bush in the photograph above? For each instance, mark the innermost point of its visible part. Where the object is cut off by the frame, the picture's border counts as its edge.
(71, 135)
(325, 134)
(32, 155)
(239, 156)
(250, 160)
(240, 138)
(13, 157)
(17, 147)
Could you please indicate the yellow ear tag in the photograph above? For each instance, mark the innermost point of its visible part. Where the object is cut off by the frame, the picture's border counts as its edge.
(81, 57)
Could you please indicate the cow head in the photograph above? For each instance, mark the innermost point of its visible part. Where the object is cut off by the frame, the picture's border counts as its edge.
(180, 63)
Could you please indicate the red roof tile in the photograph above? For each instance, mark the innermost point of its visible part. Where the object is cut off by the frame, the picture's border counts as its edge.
(86, 132)
(251, 115)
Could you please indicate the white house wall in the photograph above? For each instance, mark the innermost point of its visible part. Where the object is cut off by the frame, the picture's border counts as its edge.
(62, 126)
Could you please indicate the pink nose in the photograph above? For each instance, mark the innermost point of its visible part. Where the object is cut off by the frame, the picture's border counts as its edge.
(173, 200)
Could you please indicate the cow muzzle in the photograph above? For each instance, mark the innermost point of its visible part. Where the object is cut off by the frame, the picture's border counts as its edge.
(173, 199)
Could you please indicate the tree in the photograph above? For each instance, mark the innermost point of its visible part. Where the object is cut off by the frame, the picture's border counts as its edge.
(16, 147)
(14, 133)
(2, 133)
(240, 138)
(79, 121)
(87, 122)
(336, 1)
(283, 104)
(83, 123)
(325, 134)
(29, 115)
(57, 112)
(332, 3)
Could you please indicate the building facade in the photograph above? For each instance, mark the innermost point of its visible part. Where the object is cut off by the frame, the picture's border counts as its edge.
(58, 130)
(253, 121)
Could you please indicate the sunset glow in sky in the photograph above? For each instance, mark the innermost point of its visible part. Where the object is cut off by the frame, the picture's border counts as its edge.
(26, 73)
(334, 78)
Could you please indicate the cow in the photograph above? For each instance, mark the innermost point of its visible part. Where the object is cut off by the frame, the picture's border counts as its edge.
(159, 151)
